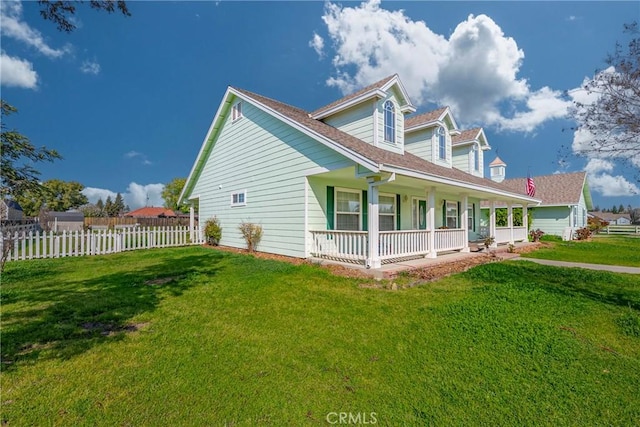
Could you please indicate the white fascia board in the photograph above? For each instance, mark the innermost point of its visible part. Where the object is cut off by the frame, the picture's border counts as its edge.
(375, 93)
(461, 184)
(225, 101)
(453, 120)
(422, 126)
(408, 107)
(361, 160)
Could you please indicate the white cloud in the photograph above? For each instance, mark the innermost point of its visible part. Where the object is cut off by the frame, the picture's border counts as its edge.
(17, 72)
(475, 71)
(612, 186)
(598, 165)
(136, 195)
(90, 67)
(143, 157)
(605, 183)
(14, 27)
(317, 43)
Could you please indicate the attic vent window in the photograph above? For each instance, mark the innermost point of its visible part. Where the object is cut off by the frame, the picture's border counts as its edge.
(389, 122)
(237, 111)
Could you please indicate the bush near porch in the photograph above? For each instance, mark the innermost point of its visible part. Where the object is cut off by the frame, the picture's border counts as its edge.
(193, 336)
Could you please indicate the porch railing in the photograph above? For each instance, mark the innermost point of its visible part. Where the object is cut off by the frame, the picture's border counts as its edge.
(343, 245)
(397, 244)
(520, 234)
(450, 239)
(503, 234)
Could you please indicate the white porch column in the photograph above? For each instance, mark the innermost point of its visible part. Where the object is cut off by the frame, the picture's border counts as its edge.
(492, 222)
(431, 222)
(373, 261)
(192, 223)
(525, 219)
(464, 218)
(510, 221)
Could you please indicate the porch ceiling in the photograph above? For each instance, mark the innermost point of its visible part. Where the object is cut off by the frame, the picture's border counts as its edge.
(410, 185)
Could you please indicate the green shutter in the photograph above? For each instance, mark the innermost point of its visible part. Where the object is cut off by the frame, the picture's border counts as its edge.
(365, 210)
(397, 212)
(459, 215)
(330, 208)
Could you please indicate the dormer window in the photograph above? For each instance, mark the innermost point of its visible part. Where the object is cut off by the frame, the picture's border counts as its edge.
(389, 122)
(476, 158)
(442, 143)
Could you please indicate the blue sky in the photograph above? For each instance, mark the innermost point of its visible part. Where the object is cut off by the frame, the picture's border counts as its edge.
(128, 100)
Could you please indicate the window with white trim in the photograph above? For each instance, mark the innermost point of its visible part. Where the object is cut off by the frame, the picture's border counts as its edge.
(239, 198)
(348, 210)
(442, 143)
(451, 214)
(389, 122)
(236, 111)
(471, 225)
(476, 158)
(386, 212)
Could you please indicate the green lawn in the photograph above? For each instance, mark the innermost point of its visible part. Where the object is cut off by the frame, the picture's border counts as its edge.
(192, 336)
(610, 250)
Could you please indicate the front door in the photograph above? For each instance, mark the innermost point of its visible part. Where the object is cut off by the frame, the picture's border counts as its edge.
(419, 214)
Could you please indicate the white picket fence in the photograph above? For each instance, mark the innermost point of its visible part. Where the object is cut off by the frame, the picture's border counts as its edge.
(33, 245)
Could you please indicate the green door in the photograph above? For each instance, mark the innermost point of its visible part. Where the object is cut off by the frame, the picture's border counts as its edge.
(422, 214)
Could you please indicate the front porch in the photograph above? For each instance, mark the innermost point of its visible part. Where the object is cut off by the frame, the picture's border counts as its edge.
(353, 246)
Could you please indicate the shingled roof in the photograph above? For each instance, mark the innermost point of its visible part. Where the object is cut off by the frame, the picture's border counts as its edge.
(377, 155)
(557, 189)
(374, 86)
(428, 117)
(465, 136)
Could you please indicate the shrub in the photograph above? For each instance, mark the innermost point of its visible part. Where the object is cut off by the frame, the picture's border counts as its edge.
(511, 248)
(488, 241)
(536, 235)
(252, 234)
(213, 231)
(583, 233)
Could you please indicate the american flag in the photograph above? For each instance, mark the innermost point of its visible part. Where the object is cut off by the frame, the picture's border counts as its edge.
(531, 187)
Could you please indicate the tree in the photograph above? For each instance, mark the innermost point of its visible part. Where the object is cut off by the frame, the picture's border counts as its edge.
(61, 12)
(54, 195)
(171, 194)
(621, 208)
(18, 155)
(610, 119)
(100, 206)
(108, 206)
(614, 209)
(635, 215)
(90, 210)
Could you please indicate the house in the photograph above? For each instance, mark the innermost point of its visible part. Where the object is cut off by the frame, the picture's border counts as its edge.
(151, 212)
(362, 179)
(10, 210)
(611, 218)
(565, 198)
(63, 221)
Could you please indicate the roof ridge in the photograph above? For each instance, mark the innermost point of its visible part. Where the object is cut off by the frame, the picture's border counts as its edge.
(409, 121)
(355, 94)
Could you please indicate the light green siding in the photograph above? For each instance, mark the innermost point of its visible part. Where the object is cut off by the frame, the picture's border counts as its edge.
(399, 145)
(461, 158)
(268, 159)
(551, 219)
(356, 121)
(420, 143)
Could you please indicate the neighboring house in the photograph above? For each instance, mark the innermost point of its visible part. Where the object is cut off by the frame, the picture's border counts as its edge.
(10, 210)
(611, 218)
(354, 180)
(565, 197)
(64, 221)
(151, 212)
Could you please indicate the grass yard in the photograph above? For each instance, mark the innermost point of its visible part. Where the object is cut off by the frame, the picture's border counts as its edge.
(193, 336)
(610, 250)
